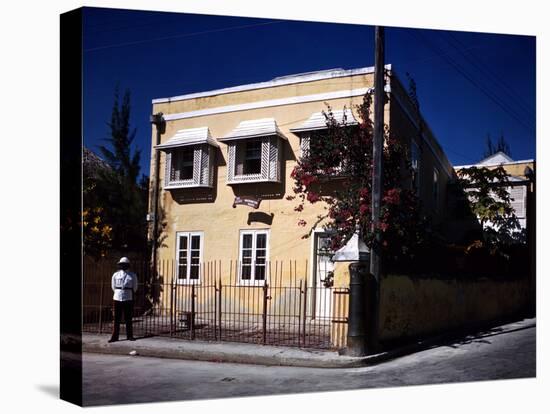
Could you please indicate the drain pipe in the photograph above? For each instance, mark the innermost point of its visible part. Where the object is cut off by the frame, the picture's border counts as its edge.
(160, 125)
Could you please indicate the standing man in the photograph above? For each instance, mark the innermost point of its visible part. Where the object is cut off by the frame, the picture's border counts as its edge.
(124, 285)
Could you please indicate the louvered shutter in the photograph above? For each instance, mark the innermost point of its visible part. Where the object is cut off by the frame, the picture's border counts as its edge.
(274, 158)
(304, 144)
(517, 194)
(167, 168)
(240, 148)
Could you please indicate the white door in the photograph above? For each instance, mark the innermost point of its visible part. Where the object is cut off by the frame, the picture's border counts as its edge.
(324, 275)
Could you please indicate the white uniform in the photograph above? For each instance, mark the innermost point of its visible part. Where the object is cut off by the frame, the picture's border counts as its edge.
(124, 285)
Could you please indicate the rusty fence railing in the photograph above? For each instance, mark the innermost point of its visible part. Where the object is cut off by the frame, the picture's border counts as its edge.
(285, 309)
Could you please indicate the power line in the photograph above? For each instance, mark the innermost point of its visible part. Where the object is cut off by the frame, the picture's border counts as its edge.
(470, 57)
(469, 78)
(182, 35)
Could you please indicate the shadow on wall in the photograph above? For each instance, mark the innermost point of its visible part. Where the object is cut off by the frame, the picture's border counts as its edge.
(260, 217)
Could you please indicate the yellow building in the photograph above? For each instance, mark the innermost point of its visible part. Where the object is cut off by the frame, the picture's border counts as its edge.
(225, 150)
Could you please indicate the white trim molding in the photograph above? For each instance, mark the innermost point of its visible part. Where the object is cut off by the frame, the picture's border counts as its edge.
(532, 160)
(346, 93)
(280, 81)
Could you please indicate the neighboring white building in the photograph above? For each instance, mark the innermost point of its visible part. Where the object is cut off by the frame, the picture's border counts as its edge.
(518, 178)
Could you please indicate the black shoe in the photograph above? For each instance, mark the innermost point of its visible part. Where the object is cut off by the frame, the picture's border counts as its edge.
(132, 339)
(112, 340)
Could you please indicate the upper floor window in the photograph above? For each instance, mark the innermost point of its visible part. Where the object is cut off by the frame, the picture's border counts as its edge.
(252, 163)
(182, 160)
(190, 158)
(254, 152)
(312, 134)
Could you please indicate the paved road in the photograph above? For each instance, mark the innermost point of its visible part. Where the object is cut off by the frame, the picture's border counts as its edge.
(493, 355)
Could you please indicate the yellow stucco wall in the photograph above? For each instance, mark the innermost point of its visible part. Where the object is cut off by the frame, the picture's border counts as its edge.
(216, 218)
(412, 307)
(221, 224)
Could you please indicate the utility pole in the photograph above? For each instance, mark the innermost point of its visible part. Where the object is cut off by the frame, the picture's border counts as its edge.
(377, 180)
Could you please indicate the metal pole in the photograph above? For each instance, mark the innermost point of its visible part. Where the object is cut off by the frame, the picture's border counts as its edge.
(159, 123)
(192, 317)
(264, 315)
(377, 188)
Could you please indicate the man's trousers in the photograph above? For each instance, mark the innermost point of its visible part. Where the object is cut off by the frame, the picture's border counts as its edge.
(120, 307)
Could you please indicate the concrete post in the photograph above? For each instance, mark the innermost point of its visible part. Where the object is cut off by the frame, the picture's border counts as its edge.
(357, 315)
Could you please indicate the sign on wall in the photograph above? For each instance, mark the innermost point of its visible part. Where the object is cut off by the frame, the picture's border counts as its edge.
(249, 201)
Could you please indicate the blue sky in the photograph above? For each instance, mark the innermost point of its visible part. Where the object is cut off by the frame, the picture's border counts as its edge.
(469, 84)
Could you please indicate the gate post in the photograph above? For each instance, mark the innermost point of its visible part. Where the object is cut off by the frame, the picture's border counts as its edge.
(220, 307)
(192, 319)
(101, 307)
(304, 313)
(264, 315)
(172, 304)
(357, 338)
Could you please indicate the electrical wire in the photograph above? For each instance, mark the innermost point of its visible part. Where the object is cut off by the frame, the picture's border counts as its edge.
(470, 57)
(470, 79)
(181, 35)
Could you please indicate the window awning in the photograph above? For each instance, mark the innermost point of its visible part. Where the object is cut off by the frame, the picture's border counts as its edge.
(191, 136)
(253, 129)
(318, 121)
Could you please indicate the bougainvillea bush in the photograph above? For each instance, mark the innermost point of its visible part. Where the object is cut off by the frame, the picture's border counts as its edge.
(336, 170)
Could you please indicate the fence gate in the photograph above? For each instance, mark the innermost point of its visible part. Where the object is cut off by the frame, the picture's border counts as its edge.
(281, 310)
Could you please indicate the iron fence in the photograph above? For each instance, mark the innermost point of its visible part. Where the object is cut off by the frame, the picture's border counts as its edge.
(285, 309)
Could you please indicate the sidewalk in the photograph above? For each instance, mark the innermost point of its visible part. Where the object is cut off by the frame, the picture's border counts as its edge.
(271, 355)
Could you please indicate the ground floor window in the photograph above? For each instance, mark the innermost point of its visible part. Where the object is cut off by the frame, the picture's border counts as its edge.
(253, 256)
(189, 246)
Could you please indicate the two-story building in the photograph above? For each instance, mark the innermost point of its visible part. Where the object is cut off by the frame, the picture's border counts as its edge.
(226, 157)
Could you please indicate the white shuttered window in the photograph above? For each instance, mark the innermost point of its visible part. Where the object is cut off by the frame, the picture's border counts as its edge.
(189, 247)
(254, 160)
(253, 256)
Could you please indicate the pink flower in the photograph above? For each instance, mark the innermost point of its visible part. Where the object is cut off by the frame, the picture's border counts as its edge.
(312, 197)
(392, 196)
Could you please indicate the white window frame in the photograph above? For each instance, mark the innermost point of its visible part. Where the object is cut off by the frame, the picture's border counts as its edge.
(306, 139)
(252, 280)
(187, 280)
(203, 167)
(270, 161)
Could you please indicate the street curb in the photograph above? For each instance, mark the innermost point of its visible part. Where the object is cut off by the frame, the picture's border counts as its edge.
(239, 353)
(226, 352)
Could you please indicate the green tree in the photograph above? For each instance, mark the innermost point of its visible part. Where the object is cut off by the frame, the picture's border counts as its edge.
(97, 232)
(119, 190)
(489, 199)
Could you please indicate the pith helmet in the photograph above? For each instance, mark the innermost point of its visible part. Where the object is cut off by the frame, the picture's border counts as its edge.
(124, 260)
